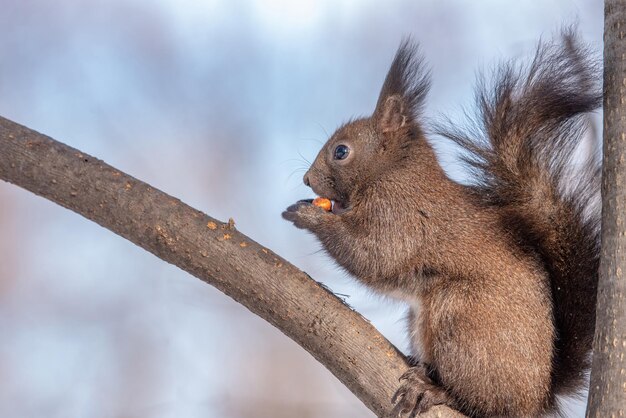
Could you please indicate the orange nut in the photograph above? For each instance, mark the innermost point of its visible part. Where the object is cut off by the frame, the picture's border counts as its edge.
(323, 203)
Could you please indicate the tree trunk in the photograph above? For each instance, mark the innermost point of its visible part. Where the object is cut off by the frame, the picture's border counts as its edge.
(607, 388)
(215, 252)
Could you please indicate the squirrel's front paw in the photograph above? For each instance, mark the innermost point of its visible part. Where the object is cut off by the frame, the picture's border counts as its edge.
(304, 214)
(417, 394)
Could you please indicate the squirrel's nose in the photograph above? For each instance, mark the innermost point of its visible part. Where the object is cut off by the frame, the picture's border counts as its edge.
(306, 179)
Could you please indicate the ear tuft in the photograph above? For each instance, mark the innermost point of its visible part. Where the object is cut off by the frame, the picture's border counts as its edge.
(392, 114)
(404, 90)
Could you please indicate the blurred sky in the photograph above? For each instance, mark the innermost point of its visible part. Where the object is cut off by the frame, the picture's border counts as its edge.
(219, 103)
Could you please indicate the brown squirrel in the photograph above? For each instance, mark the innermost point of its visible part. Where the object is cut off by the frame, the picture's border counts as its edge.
(500, 275)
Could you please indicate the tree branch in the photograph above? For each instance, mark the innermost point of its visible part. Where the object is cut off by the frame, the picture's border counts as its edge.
(338, 337)
(607, 386)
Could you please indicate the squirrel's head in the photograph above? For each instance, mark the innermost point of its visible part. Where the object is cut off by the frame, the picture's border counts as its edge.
(361, 150)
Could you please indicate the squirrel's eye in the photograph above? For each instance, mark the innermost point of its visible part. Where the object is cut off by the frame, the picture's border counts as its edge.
(341, 152)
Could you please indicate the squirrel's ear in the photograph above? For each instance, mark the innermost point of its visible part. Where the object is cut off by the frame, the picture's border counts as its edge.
(392, 114)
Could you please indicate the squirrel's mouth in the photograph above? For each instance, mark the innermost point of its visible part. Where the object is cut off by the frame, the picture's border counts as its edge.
(338, 207)
(339, 201)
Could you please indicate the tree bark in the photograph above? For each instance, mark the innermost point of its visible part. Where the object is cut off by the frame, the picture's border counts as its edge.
(607, 388)
(215, 252)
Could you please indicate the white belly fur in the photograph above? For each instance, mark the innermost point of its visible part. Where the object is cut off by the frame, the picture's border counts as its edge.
(415, 331)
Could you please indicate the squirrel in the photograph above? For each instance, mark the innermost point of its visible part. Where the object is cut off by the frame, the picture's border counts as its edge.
(500, 274)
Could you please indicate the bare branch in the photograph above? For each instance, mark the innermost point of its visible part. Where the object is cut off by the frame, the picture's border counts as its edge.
(607, 387)
(339, 338)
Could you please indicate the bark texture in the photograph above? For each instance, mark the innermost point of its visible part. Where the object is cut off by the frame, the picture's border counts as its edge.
(215, 252)
(607, 389)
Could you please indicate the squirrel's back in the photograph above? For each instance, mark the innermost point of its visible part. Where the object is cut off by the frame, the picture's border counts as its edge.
(530, 125)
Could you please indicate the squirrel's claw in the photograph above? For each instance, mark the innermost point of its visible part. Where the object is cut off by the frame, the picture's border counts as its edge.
(416, 394)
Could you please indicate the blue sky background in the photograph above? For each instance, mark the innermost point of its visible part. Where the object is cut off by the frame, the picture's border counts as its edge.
(217, 103)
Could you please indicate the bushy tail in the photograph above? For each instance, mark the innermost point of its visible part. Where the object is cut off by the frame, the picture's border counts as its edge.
(521, 151)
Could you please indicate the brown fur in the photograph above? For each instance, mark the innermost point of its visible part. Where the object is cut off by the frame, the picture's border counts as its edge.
(500, 276)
